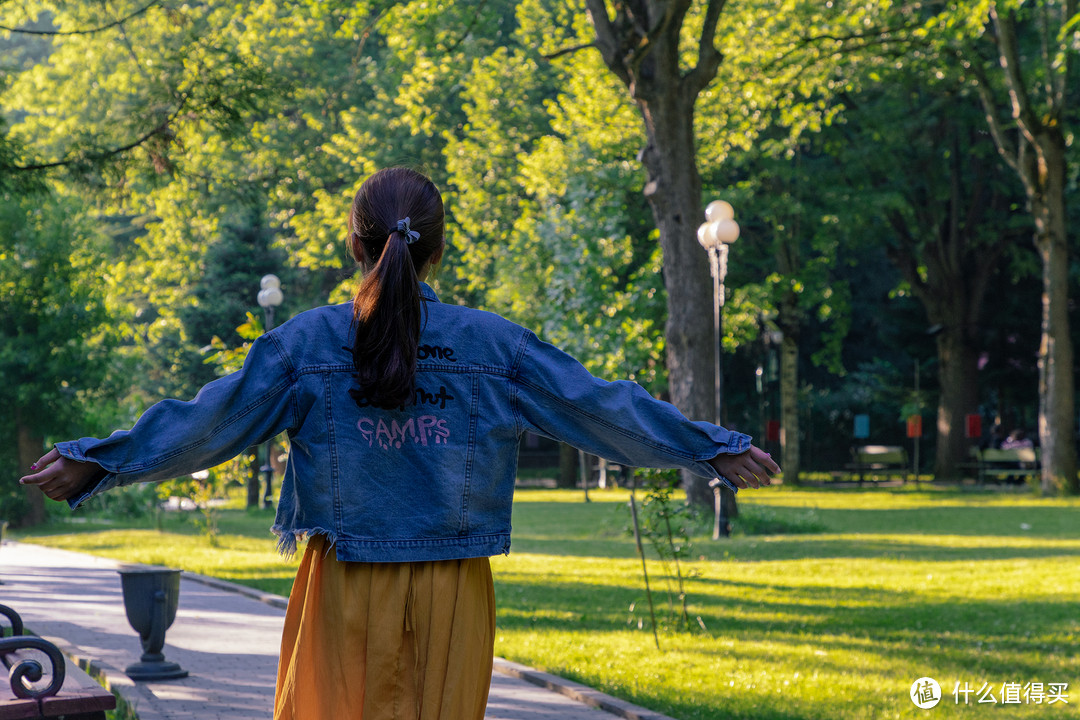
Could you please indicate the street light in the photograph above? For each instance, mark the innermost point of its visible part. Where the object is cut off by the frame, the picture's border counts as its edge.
(718, 232)
(269, 297)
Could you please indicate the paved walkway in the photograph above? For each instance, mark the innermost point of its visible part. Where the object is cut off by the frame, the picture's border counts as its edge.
(227, 638)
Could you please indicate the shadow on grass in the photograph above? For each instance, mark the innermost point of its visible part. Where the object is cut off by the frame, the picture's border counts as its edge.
(952, 519)
(1016, 638)
(800, 547)
(877, 633)
(848, 548)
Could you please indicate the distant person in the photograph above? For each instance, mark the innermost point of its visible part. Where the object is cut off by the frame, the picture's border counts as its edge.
(995, 438)
(1016, 439)
(404, 416)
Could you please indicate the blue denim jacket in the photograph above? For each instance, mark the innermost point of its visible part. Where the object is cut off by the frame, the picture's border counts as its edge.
(430, 481)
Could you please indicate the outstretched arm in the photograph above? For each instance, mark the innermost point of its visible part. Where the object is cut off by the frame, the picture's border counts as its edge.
(174, 438)
(557, 397)
(62, 478)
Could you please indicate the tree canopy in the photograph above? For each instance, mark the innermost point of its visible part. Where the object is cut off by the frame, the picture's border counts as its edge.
(157, 158)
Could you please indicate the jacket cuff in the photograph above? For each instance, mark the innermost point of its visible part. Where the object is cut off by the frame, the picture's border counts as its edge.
(71, 450)
(732, 443)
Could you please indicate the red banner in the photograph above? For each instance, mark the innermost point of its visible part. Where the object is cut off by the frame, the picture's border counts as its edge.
(772, 431)
(974, 426)
(914, 426)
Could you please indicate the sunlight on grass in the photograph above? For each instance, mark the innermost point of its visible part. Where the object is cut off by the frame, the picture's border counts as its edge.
(961, 586)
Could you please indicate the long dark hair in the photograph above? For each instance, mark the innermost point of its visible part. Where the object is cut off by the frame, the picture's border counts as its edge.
(387, 310)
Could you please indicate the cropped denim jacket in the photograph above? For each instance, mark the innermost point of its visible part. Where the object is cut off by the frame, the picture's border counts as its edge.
(433, 480)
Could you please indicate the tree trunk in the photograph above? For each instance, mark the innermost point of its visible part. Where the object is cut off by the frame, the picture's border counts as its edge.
(674, 194)
(253, 492)
(568, 461)
(643, 45)
(789, 408)
(30, 447)
(958, 367)
(1057, 425)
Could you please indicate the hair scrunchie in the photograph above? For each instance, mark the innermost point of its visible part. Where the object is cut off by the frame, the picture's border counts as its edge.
(411, 236)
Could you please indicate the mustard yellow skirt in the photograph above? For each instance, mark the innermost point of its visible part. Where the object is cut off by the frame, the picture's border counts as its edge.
(386, 641)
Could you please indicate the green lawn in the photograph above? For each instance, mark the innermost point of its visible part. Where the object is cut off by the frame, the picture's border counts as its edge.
(975, 588)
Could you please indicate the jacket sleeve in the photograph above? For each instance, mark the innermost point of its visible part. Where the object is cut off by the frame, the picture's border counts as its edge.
(555, 396)
(174, 438)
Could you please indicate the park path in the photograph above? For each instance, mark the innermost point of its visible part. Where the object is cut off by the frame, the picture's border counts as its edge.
(227, 637)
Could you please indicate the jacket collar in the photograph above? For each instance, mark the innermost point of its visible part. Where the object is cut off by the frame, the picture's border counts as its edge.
(427, 293)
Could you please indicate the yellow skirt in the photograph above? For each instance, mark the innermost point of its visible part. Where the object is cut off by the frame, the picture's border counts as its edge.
(386, 641)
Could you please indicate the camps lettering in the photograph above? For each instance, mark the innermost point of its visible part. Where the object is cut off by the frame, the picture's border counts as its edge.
(423, 430)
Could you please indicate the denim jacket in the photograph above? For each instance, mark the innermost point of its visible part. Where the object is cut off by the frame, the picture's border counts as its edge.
(430, 481)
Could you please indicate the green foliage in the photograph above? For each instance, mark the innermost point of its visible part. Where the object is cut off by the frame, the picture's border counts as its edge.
(230, 359)
(552, 229)
(54, 325)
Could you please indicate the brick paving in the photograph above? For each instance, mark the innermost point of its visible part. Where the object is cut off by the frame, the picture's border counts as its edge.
(227, 638)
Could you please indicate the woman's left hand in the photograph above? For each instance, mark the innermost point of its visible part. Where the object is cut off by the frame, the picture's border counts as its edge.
(61, 478)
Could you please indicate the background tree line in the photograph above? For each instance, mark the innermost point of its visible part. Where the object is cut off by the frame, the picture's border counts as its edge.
(901, 172)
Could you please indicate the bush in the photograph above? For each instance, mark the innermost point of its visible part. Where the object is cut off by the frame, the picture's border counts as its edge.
(133, 502)
(765, 520)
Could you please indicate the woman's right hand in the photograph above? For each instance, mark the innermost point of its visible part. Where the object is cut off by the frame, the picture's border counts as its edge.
(59, 477)
(749, 469)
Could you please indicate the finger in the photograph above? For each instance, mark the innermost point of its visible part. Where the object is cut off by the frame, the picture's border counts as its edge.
(734, 479)
(38, 478)
(55, 488)
(765, 459)
(47, 459)
(755, 474)
(43, 465)
(751, 479)
(51, 491)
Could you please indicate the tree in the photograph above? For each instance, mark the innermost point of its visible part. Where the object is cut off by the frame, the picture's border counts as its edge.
(54, 335)
(950, 212)
(1019, 59)
(1027, 54)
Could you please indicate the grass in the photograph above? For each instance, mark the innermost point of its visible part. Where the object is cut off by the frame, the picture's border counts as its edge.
(867, 591)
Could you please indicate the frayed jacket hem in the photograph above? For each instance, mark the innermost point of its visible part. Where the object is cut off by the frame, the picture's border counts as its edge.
(370, 550)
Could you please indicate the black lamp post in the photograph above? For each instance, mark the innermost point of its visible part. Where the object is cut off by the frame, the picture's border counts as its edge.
(718, 232)
(270, 296)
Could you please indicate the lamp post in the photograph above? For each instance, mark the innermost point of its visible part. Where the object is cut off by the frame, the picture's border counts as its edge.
(270, 297)
(718, 232)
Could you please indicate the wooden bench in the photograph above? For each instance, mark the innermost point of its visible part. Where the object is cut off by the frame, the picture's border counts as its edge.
(879, 459)
(68, 692)
(999, 463)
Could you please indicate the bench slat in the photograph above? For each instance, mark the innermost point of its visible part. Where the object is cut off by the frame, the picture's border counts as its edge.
(13, 708)
(79, 698)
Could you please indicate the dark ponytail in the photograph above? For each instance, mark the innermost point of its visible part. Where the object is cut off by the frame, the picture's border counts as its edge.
(387, 309)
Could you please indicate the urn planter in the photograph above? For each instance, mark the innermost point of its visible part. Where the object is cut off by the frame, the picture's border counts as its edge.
(151, 596)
